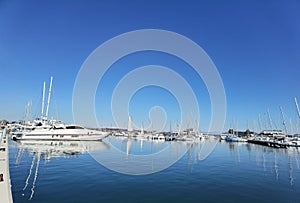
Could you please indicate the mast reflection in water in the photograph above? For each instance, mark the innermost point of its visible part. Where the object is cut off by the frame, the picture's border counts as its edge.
(236, 172)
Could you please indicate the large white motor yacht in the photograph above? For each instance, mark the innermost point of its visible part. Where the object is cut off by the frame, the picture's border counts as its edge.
(66, 132)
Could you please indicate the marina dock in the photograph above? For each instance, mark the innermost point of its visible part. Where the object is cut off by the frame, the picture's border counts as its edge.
(5, 185)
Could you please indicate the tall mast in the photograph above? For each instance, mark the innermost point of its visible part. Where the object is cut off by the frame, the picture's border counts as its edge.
(236, 129)
(178, 127)
(142, 129)
(130, 125)
(28, 111)
(283, 121)
(291, 126)
(49, 96)
(259, 122)
(297, 107)
(43, 100)
(270, 120)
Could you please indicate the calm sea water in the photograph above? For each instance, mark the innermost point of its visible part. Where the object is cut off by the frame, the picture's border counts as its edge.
(233, 172)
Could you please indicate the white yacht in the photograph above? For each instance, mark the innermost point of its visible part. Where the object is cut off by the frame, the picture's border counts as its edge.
(44, 129)
(66, 132)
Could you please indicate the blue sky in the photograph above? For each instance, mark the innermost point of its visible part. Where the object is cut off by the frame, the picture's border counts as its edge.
(254, 44)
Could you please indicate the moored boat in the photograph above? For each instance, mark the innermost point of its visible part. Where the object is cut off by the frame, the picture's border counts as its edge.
(67, 132)
(234, 138)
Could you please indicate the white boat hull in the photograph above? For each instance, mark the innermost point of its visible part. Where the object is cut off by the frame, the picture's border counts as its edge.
(72, 134)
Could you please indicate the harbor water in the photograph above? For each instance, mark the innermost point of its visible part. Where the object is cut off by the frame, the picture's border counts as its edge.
(233, 172)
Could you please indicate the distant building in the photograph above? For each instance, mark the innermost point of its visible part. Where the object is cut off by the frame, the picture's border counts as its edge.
(240, 133)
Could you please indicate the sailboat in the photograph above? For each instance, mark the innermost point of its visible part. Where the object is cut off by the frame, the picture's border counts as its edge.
(142, 135)
(294, 140)
(45, 129)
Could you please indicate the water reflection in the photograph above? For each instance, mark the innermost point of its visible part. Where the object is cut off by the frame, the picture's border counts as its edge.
(244, 161)
(278, 161)
(54, 149)
(46, 150)
(139, 156)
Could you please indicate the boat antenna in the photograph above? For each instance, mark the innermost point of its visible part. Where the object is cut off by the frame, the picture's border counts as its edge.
(49, 96)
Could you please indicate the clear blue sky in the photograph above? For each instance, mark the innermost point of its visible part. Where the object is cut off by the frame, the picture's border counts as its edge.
(254, 44)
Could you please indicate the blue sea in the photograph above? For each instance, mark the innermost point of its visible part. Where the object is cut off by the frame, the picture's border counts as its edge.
(74, 172)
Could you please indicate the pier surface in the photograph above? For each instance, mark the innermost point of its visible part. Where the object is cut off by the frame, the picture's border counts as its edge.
(5, 186)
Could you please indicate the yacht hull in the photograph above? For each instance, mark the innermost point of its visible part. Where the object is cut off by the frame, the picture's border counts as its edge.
(74, 135)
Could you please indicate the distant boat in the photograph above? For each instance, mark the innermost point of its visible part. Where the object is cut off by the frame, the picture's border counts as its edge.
(223, 136)
(271, 138)
(161, 137)
(189, 138)
(234, 138)
(294, 143)
(278, 134)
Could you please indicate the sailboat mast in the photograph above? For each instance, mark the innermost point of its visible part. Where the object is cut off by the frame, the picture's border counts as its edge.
(297, 107)
(49, 96)
(130, 125)
(43, 100)
(142, 129)
(236, 130)
(259, 122)
(270, 120)
(283, 120)
(291, 126)
(28, 111)
(178, 128)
